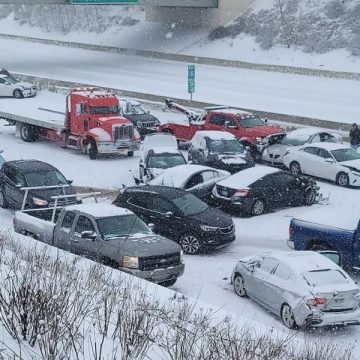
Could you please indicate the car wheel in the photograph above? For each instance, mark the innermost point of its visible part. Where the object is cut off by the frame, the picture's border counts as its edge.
(130, 153)
(295, 168)
(287, 317)
(239, 285)
(310, 197)
(190, 244)
(342, 179)
(18, 94)
(93, 152)
(2, 200)
(168, 283)
(258, 207)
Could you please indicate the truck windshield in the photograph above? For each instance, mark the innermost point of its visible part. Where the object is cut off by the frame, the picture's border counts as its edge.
(251, 121)
(113, 227)
(102, 110)
(225, 146)
(341, 155)
(165, 161)
(138, 110)
(190, 204)
(47, 178)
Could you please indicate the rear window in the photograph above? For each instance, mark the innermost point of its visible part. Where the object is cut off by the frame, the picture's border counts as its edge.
(325, 277)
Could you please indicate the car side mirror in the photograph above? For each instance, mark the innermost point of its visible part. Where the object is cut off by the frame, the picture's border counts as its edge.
(90, 235)
(266, 120)
(6, 83)
(169, 214)
(148, 112)
(70, 181)
(151, 226)
(330, 161)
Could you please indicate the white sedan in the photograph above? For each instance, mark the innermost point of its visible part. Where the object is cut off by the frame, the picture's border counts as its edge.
(12, 87)
(329, 161)
(278, 145)
(303, 288)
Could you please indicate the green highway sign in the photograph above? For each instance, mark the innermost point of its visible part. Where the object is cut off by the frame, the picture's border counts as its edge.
(102, 2)
(191, 79)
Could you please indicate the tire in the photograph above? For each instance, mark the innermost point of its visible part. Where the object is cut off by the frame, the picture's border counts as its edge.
(258, 207)
(18, 94)
(130, 154)
(168, 283)
(342, 179)
(29, 133)
(295, 168)
(93, 152)
(287, 317)
(3, 203)
(239, 286)
(310, 197)
(190, 244)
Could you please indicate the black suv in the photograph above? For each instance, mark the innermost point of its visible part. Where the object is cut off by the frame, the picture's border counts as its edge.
(18, 174)
(180, 216)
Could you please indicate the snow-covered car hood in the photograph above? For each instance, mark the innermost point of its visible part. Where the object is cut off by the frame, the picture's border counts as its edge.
(352, 163)
(232, 159)
(154, 172)
(278, 149)
(24, 84)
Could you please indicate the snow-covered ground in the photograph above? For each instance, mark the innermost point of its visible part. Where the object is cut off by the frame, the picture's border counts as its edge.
(322, 98)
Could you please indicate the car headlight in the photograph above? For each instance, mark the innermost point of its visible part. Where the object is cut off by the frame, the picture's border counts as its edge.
(39, 202)
(208, 228)
(355, 172)
(131, 262)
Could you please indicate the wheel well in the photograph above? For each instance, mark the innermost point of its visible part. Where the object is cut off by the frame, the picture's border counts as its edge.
(316, 242)
(167, 130)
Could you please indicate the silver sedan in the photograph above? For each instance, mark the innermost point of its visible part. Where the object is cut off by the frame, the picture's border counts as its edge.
(304, 288)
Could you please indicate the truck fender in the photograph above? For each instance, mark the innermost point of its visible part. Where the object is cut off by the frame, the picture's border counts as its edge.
(98, 135)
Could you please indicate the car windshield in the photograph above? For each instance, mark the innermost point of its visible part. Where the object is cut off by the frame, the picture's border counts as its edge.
(225, 146)
(104, 110)
(45, 178)
(11, 79)
(341, 155)
(251, 121)
(121, 226)
(165, 161)
(288, 140)
(325, 277)
(137, 109)
(190, 204)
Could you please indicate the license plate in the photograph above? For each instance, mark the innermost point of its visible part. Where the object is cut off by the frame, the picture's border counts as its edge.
(338, 301)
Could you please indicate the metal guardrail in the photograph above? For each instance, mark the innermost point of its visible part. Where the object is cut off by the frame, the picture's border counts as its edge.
(191, 59)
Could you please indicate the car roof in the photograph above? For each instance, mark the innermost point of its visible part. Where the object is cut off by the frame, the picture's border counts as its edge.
(215, 135)
(177, 175)
(230, 111)
(26, 166)
(305, 133)
(166, 191)
(99, 210)
(303, 261)
(245, 178)
(328, 146)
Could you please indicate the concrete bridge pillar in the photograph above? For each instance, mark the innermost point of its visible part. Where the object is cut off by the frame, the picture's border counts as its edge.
(195, 12)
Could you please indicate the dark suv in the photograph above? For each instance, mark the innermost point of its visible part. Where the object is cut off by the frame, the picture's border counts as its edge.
(18, 174)
(180, 216)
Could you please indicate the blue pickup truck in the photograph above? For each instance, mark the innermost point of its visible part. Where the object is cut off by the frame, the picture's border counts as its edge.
(335, 236)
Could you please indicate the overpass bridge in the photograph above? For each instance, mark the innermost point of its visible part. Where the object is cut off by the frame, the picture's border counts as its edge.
(185, 12)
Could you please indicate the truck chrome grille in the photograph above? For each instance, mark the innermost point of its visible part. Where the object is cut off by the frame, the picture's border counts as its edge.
(159, 262)
(122, 132)
(146, 124)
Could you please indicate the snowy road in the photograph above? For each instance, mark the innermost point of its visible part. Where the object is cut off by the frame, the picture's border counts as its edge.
(207, 277)
(328, 99)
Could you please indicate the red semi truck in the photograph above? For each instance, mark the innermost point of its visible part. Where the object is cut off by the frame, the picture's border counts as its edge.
(91, 123)
(247, 127)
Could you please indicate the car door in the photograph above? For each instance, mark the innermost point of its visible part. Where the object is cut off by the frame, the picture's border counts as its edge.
(287, 190)
(309, 159)
(327, 167)
(258, 287)
(13, 180)
(206, 181)
(79, 245)
(264, 189)
(65, 230)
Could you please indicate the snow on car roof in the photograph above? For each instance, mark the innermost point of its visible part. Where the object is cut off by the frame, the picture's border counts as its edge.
(215, 135)
(246, 177)
(99, 210)
(304, 133)
(165, 149)
(329, 146)
(177, 176)
(230, 111)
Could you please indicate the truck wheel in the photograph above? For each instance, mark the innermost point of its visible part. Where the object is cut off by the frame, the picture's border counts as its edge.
(93, 152)
(2, 200)
(18, 94)
(27, 133)
(130, 154)
(342, 179)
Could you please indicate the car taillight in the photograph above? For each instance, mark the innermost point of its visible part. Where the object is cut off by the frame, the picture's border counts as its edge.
(242, 192)
(316, 301)
(291, 231)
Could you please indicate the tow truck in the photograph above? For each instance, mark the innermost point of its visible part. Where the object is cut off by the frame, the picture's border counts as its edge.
(247, 127)
(90, 123)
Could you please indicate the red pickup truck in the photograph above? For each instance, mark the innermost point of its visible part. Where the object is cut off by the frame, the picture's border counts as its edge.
(247, 127)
